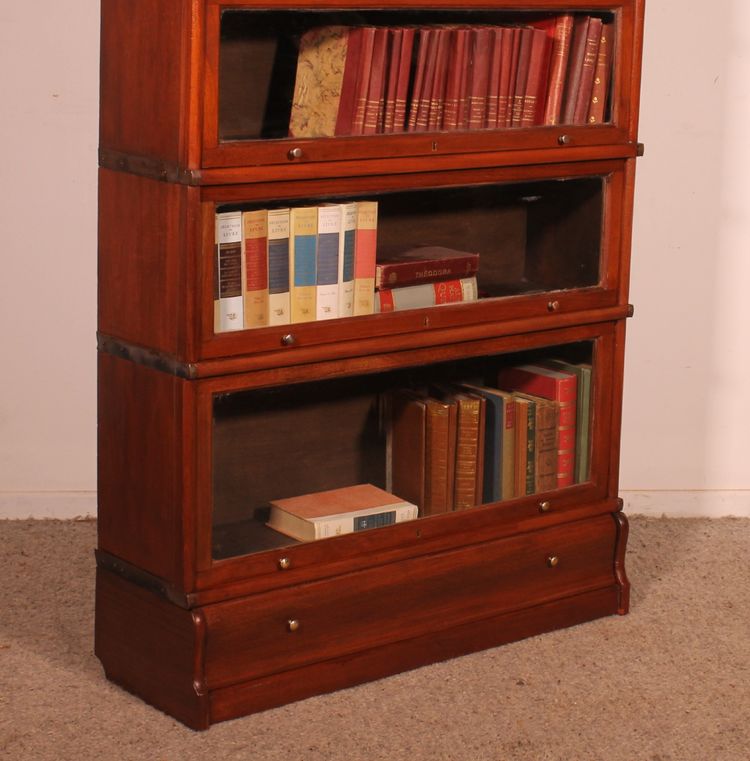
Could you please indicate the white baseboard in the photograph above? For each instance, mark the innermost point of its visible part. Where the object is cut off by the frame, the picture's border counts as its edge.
(674, 504)
(688, 504)
(60, 505)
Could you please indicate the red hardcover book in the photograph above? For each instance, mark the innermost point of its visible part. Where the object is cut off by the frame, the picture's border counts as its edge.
(558, 68)
(601, 76)
(454, 78)
(591, 52)
(428, 82)
(512, 74)
(437, 97)
(575, 68)
(463, 94)
(423, 41)
(536, 84)
(506, 54)
(404, 76)
(424, 264)
(363, 79)
(347, 100)
(493, 81)
(522, 74)
(376, 87)
(389, 117)
(560, 387)
(481, 40)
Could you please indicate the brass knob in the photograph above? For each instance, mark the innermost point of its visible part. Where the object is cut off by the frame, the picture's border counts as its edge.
(552, 561)
(553, 306)
(288, 339)
(545, 506)
(292, 624)
(294, 153)
(285, 563)
(564, 139)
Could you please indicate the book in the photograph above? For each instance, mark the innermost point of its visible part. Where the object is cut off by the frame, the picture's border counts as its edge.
(346, 259)
(525, 469)
(481, 50)
(578, 36)
(470, 432)
(255, 257)
(279, 312)
(423, 40)
(403, 79)
(374, 105)
(545, 422)
(429, 294)
(338, 511)
(318, 84)
(228, 306)
(303, 240)
(503, 95)
(362, 89)
(560, 387)
(406, 414)
(602, 70)
(493, 83)
(437, 94)
(532, 109)
(558, 68)
(526, 35)
(365, 245)
(424, 264)
(454, 78)
(348, 95)
(586, 83)
(394, 64)
(327, 272)
(440, 455)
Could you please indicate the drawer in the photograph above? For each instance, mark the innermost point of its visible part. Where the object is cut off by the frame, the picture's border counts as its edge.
(272, 632)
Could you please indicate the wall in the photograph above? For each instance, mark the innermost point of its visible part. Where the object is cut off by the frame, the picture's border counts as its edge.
(687, 406)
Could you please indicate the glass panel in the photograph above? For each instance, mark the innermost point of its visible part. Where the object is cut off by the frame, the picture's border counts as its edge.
(324, 74)
(436, 438)
(431, 247)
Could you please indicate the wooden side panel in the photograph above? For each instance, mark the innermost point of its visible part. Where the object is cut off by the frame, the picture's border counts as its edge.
(144, 67)
(151, 647)
(146, 258)
(140, 513)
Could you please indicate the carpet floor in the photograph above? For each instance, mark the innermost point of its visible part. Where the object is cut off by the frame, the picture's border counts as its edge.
(668, 682)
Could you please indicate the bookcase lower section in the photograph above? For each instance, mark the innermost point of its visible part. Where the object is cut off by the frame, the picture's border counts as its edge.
(244, 655)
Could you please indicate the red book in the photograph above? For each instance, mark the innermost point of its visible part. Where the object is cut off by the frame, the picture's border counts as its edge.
(522, 74)
(575, 68)
(536, 84)
(389, 117)
(455, 76)
(506, 53)
(560, 387)
(493, 83)
(419, 76)
(424, 264)
(345, 115)
(437, 97)
(376, 87)
(363, 79)
(481, 39)
(591, 52)
(463, 94)
(601, 76)
(558, 68)
(404, 76)
(428, 82)
(512, 72)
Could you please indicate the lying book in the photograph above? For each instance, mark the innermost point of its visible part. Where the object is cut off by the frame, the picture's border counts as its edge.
(427, 295)
(338, 511)
(424, 264)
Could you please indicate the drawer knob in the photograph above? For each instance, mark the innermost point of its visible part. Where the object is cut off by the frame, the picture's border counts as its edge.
(292, 624)
(544, 507)
(294, 153)
(564, 139)
(553, 306)
(285, 563)
(552, 561)
(288, 339)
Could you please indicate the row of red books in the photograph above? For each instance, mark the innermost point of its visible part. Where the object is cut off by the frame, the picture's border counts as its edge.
(368, 80)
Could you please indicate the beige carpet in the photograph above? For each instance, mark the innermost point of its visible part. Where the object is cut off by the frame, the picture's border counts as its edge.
(669, 682)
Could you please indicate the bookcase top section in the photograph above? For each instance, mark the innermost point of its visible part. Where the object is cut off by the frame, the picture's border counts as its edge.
(201, 91)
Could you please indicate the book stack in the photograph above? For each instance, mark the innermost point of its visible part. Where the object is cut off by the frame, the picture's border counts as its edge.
(281, 266)
(378, 80)
(469, 444)
(425, 276)
(337, 512)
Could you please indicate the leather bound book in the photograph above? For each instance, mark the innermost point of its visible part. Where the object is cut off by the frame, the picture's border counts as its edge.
(560, 387)
(255, 255)
(591, 52)
(363, 80)
(575, 68)
(522, 75)
(437, 97)
(454, 78)
(512, 74)
(404, 78)
(525, 411)
(395, 37)
(428, 82)
(406, 445)
(374, 105)
(348, 97)
(481, 50)
(546, 415)
(424, 264)
(493, 81)
(424, 37)
(558, 68)
(440, 453)
(469, 451)
(600, 88)
(506, 55)
(321, 66)
(536, 84)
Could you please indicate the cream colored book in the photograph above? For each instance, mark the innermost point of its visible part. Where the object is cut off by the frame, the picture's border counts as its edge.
(303, 245)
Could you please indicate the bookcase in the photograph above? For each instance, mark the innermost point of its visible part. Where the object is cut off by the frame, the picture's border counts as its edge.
(202, 609)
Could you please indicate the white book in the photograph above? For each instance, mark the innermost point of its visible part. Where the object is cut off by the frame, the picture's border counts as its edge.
(346, 260)
(327, 275)
(230, 275)
(278, 267)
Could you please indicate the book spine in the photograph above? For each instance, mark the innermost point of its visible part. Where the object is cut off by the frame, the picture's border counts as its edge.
(601, 76)
(437, 96)
(530, 409)
(278, 267)
(423, 41)
(559, 67)
(506, 53)
(493, 82)
(480, 69)
(428, 82)
(255, 255)
(404, 76)
(229, 274)
(591, 53)
(437, 434)
(536, 85)
(398, 274)
(426, 295)
(365, 246)
(507, 464)
(522, 75)
(455, 74)
(512, 74)
(578, 37)
(327, 274)
(363, 80)
(303, 238)
(546, 446)
(348, 98)
(376, 87)
(394, 62)
(467, 454)
(346, 259)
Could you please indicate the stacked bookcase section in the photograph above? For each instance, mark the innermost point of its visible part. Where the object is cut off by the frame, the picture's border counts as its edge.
(363, 290)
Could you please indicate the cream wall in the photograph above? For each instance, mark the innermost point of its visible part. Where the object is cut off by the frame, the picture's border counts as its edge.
(687, 402)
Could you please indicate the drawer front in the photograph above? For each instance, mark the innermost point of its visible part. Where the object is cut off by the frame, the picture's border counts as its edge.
(273, 632)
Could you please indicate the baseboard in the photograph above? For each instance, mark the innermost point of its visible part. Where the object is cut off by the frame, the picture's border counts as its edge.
(688, 504)
(60, 505)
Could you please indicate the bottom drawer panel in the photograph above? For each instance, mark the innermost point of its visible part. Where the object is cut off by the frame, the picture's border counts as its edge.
(274, 632)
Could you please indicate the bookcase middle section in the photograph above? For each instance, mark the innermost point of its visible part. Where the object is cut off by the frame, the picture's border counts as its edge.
(312, 270)
(314, 460)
